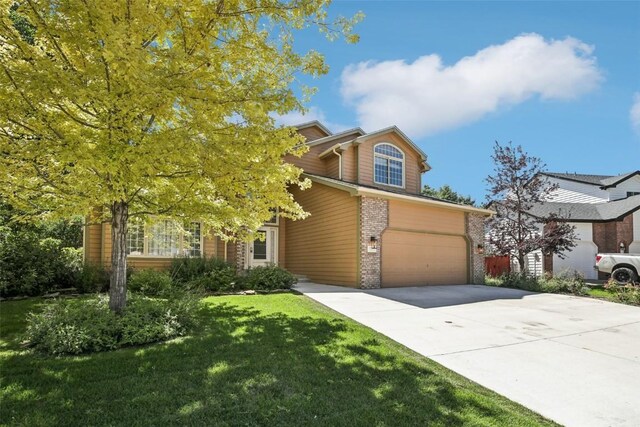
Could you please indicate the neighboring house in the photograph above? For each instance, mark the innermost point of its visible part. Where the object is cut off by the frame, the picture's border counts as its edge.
(605, 211)
(368, 227)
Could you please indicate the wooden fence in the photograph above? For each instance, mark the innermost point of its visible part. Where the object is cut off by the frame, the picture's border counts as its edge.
(494, 266)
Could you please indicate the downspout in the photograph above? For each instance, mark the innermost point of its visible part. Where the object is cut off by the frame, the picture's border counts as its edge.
(339, 163)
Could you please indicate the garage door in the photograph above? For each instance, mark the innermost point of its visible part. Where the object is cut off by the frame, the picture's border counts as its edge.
(581, 258)
(416, 259)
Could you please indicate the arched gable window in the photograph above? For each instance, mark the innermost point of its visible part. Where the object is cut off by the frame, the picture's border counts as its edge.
(388, 165)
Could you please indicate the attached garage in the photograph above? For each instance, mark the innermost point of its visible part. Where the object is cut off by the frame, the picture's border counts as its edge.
(424, 245)
(415, 259)
(582, 257)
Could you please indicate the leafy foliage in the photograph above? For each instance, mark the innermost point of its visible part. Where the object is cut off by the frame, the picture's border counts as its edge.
(92, 278)
(515, 187)
(150, 283)
(204, 274)
(269, 277)
(155, 108)
(74, 326)
(37, 257)
(627, 294)
(560, 284)
(446, 193)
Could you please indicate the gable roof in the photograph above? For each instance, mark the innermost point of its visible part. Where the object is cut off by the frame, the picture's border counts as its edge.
(355, 131)
(314, 123)
(402, 135)
(588, 212)
(615, 180)
(366, 190)
(602, 181)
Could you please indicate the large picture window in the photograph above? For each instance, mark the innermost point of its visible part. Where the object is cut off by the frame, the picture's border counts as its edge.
(388, 165)
(164, 239)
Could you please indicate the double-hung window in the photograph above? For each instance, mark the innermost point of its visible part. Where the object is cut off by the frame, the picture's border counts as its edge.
(164, 238)
(388, 165)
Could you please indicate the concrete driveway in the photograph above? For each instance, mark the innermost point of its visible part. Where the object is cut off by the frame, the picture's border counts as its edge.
(574, 360)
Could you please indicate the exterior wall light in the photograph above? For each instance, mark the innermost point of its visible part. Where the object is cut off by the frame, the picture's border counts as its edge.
(373, 244)
(623, 247)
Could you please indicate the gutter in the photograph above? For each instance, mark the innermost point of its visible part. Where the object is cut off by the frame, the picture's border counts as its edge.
(356, 190)
(339, 162)
(387, 195)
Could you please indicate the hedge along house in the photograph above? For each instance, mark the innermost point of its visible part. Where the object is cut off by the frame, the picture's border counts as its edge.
(368, 227)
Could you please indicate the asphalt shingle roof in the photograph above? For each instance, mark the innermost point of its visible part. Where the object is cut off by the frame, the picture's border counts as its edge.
(587, 211)
(599, 180)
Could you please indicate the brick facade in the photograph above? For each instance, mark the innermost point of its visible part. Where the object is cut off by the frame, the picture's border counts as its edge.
(608, 235)
(475, 233)
(241, 255)
(374, 218)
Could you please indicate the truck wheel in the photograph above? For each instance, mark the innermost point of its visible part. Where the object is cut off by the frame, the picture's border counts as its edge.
(623, 275)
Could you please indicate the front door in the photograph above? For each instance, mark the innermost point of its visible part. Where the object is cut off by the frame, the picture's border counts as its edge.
(264, 250)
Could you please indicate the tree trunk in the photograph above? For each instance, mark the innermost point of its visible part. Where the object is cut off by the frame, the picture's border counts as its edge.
(118, 280)
(521, 262)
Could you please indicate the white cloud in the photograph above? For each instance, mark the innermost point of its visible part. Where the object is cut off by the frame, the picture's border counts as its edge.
(634, 114)
(313, 113)
(425, 96)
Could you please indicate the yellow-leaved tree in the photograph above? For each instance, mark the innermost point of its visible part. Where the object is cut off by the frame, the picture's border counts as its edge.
(130, 109)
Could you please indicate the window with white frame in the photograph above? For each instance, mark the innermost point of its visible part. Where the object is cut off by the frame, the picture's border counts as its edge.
(388, 165)
(164, 238)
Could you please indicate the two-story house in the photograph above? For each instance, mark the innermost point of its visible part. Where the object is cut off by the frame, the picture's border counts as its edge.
(605, 211)
(368, 227)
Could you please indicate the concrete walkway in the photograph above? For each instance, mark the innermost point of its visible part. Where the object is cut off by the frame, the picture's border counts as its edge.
(574, 360)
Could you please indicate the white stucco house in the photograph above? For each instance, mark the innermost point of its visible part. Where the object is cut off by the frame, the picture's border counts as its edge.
(605, 209)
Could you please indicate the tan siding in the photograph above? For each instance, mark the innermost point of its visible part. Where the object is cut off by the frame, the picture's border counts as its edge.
(106, 245)
(333, 167)
(410, 216)
(324, 246)
(411, 159)
(349, 164)
(93, 243)
(311, 163)
(312, 133)
(209, 246)
(415, 259)
(144, 263)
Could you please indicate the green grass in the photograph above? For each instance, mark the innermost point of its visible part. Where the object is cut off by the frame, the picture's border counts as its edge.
(601, 292)
(255, 360)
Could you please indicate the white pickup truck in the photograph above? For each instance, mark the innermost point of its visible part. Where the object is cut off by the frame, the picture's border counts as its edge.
(623, 268)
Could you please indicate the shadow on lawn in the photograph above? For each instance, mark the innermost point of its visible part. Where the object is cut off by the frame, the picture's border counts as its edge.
(242, 368)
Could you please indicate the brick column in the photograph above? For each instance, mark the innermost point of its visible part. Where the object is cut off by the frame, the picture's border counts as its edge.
(241, 254)
(475, 234)
(374, 217)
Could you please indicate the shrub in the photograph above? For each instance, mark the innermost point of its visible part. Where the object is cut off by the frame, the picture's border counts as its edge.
(30, 265)
(87, 325)
(150, 283)
(268, 278)
(37, 257)
(204, 274)
(627, 294)
(185, 269)
(222, 280)
(73, 327)
(92, 278)
(563, 283)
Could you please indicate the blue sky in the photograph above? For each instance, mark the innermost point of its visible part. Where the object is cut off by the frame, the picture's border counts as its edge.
(558, 78)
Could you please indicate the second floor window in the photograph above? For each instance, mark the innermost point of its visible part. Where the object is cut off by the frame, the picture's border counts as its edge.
(388, 165)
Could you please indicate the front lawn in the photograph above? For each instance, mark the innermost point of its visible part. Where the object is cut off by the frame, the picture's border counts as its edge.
(255, 360)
